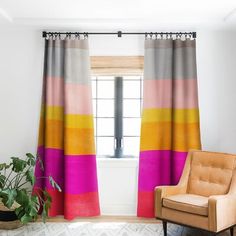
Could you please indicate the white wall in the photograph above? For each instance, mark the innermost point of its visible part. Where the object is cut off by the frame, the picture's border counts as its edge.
(117, 181)
(216, 54)
(21, 60)
(21, 54)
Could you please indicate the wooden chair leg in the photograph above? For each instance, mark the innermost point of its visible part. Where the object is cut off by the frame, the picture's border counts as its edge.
(164, 224)
(232, 231)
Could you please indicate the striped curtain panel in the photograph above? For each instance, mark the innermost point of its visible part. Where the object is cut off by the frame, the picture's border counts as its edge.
(170, 118)
(66, 134)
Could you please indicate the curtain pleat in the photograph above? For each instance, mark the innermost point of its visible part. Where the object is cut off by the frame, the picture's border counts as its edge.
(66, 134)
(170, 117)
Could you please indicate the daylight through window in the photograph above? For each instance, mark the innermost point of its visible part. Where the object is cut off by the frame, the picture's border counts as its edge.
(117, 104)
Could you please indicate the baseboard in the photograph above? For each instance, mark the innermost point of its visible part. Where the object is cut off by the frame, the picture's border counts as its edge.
(119, 209)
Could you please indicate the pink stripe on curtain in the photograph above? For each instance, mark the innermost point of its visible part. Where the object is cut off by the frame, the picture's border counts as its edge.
(156, 96)
(82, 105)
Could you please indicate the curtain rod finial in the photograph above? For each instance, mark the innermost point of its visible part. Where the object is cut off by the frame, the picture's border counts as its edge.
(194, 35)
(44, 34)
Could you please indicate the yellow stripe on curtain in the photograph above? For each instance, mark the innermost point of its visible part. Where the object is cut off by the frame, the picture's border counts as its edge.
(167, 114)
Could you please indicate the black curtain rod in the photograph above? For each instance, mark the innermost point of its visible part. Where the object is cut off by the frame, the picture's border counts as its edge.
(119, 33)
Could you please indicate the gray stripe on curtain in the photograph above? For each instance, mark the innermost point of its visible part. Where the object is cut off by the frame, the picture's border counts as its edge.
(159, 62)
(77, 71)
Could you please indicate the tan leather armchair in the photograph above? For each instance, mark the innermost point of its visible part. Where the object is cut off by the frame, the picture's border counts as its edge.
(205, 196)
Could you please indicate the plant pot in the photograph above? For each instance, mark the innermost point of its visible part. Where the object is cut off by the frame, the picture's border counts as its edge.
(8, 218)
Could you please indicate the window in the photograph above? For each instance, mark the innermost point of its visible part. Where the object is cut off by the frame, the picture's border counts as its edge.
(117, 102)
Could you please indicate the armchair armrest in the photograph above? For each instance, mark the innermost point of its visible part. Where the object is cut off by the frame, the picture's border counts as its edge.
(166, 191)
(221, 211)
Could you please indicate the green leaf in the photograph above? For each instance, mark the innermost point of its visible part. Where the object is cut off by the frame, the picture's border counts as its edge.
(8, 197)
(47, 196)
(34, 199)
(19, 211)
(31, 159)
(33, 211)
(33, 206)
(31, 162)
(26, 218)
(54, 184)
(18, 164)
(30, 176)
(4, 166)
(2, 181)
(22, 198)
(29, 207)
(46, 205)
(31, 156)
(44, 213)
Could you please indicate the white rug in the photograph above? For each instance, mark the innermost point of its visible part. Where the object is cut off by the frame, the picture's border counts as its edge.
(85, 229)
(99, 229)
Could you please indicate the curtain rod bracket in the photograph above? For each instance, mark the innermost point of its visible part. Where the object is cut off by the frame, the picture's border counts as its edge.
(119, 34)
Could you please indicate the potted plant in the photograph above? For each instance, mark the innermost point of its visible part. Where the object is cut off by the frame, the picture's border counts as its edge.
(18, 204)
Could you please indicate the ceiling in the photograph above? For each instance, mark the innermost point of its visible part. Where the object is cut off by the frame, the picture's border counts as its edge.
(130, 15)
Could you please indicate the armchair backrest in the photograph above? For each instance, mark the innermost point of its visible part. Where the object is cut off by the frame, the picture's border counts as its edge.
(210, 173)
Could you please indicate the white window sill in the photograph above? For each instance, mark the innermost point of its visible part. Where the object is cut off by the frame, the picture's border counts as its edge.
(125, 162)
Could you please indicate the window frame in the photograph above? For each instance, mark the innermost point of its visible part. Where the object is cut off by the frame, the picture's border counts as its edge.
(118, 67)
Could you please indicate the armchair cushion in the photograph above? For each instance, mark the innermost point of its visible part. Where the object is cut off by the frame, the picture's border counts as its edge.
(190, 203)
(211, 173)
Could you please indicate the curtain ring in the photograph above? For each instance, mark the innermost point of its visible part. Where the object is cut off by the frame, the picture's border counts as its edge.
(151, 34)
(146, 35)
(68, 35)
(85, 35)
(77, 36)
